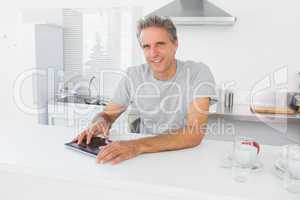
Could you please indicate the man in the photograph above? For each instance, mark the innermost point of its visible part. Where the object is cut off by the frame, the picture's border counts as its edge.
(172, 97)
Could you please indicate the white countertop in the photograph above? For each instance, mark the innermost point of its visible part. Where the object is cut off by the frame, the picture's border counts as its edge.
(35, 164)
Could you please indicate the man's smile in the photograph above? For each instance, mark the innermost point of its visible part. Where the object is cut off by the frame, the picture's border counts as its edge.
(156, 60)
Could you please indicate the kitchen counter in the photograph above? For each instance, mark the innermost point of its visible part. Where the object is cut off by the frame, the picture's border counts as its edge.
(34, 164)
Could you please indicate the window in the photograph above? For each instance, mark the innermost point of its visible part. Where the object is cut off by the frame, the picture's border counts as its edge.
(103, 38)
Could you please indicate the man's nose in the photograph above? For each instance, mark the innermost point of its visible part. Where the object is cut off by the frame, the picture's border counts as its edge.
(154, 52)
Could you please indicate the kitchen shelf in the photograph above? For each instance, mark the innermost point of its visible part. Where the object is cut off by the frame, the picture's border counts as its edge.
(242, 112)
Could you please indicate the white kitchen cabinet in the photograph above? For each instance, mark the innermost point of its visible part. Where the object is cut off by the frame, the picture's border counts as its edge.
(80, 115)
(71, 114)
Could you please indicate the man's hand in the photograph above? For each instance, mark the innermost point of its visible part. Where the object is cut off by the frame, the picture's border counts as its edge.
(99, 127)
(101, 123)
(118, 151)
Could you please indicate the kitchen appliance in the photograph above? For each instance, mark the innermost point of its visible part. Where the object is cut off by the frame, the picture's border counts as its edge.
(195, 12)
(296, 102)
(228, 99)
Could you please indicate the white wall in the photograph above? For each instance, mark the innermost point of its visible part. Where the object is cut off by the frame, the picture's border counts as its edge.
(265, 38)
(10, 69)
(17, 50)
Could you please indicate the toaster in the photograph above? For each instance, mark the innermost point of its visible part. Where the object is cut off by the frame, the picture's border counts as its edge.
(295, 103)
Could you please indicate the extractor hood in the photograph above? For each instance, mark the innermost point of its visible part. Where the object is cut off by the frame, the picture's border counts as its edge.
(195, 12)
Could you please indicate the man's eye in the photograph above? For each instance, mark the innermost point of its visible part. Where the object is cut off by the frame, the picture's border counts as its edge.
(146, 47)
(160, 44)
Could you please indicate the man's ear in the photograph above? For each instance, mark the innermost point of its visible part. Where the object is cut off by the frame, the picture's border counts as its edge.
(140, 43)
(176, 44)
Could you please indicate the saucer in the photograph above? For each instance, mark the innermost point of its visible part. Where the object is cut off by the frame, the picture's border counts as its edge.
(227, 162)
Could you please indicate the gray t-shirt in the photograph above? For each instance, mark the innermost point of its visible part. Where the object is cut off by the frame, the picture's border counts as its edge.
(163, 105)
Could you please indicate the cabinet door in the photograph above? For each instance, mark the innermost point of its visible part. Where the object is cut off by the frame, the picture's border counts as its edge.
(58, 121)
(57, 114)
(80, 116)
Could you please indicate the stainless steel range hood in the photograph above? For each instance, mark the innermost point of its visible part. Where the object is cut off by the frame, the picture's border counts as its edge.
(195, 12)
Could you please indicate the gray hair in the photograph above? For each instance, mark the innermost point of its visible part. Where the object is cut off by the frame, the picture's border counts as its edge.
(157, 21)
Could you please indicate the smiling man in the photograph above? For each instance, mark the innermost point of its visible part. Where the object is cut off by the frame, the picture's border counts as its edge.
(171, 96)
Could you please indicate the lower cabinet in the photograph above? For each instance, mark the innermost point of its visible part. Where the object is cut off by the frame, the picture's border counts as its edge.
(79, 116)
(71, 114)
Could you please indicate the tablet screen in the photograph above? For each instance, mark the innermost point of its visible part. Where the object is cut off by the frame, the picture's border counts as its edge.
(92, 148)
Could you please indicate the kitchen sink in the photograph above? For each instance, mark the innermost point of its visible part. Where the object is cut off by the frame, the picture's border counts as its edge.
(82, 99)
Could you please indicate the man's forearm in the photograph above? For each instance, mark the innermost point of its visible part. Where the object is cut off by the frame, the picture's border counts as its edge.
(110, 113)
(100, 116)
(180, 139)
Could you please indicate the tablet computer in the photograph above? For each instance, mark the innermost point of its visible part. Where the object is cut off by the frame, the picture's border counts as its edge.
(91, 149)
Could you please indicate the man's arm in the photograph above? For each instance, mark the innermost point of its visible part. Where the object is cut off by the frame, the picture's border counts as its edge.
(101, 123)
(187, 137)
(111, 112)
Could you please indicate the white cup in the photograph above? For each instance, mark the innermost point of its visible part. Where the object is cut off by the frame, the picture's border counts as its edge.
(245, 154)
(246, 151)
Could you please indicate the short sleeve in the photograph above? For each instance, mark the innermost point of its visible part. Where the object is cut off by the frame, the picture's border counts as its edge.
(122, 94)
(203, 84)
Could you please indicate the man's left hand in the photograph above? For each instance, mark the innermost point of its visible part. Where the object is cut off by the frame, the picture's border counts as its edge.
(118, 151)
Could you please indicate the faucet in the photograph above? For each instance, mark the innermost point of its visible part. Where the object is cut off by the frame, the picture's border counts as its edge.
(90, 83)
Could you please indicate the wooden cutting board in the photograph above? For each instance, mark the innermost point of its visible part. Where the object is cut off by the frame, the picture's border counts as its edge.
(272, 110)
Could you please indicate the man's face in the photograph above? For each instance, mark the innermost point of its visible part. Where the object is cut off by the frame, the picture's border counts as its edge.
(159, 50)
